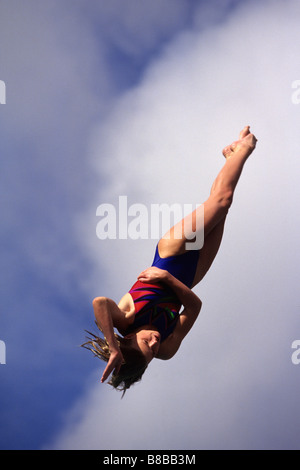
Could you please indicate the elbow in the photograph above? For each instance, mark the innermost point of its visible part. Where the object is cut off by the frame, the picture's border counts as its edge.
(100, 307)
(194, 307)
(99, 301)
(198, 307)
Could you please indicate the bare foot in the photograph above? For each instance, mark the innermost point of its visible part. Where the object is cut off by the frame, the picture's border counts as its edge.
(245, 145)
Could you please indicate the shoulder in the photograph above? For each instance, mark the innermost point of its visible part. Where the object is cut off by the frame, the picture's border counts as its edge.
(126, 305)
(124, 314)
(121, 314)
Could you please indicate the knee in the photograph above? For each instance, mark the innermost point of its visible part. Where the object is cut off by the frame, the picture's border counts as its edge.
(224, 199)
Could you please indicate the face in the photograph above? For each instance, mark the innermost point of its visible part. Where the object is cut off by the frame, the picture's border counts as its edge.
(148, 341)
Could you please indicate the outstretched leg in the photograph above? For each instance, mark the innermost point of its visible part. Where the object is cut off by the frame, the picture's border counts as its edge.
(215, 208)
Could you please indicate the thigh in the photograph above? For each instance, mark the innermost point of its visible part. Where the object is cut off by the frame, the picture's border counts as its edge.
(192, 228)
(209, 251)
(187, 231)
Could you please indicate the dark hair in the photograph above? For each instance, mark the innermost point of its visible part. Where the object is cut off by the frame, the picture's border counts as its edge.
(134, 364)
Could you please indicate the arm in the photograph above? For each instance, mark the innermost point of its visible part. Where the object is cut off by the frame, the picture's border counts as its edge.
(189, 300)
(105, 311)
(192, 306)
(187, 297)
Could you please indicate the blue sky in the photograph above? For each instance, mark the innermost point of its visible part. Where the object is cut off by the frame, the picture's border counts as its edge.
(137, 98)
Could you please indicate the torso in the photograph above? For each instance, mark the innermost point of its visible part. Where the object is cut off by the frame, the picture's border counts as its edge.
(133, 304)
(150, 305)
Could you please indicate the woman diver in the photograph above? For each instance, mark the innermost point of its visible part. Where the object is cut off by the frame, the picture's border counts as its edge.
(147, 318)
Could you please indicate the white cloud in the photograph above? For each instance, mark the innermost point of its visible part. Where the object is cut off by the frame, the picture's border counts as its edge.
(231, 384)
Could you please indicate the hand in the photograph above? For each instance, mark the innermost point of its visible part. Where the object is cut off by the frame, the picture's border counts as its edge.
(114, 364)
(153, 275)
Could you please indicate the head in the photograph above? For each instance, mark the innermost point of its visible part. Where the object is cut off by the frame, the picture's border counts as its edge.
(147, 341)
(138, 350)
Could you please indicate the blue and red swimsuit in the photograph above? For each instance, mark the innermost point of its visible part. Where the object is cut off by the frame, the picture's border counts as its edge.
(156, 305)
